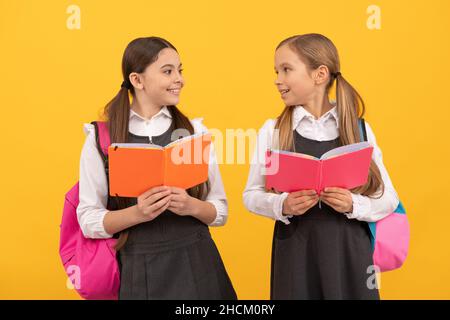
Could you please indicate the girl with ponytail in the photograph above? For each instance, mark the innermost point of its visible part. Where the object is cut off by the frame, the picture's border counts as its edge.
(164, 246)
(320, 250)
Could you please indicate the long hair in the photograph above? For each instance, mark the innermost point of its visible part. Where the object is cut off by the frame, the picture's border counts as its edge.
(315, 50)
(138, 55)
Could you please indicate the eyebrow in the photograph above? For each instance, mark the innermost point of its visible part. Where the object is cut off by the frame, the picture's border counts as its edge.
(171, 65)
(283, 64)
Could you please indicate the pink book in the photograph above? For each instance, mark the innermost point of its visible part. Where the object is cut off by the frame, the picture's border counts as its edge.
(344, 167)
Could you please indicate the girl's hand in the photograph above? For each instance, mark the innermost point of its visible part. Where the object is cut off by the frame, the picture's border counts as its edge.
(153, 202)
(297, 203)
(182, 203)
(339, 199)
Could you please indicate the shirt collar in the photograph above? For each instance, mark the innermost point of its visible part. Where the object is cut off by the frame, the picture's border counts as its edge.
(300, 113)
(164, 111)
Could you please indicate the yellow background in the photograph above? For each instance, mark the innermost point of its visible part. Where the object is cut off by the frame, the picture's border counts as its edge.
(54, 79)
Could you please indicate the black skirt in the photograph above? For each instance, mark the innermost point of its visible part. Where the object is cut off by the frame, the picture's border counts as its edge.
(322, 255)
(185, 266)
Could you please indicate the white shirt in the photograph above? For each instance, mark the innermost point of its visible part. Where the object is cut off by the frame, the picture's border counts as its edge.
(93, 186)
(257, 200)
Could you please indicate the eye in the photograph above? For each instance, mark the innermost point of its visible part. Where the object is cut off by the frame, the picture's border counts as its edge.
(285, 69)
(168, 71)
(181, 71)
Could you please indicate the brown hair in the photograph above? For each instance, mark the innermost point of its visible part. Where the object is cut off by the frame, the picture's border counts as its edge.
(315, 50)
(138, 55)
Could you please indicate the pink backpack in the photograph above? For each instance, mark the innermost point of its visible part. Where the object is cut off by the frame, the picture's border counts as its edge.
(91, 264)
(390, 235)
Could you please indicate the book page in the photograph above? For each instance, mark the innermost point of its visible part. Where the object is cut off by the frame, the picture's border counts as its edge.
(295, 154)
(193, 136)
(136, 145)
(345, 149)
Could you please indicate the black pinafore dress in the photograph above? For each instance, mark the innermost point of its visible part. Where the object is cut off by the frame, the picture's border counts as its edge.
(321, 254)
(172, 256)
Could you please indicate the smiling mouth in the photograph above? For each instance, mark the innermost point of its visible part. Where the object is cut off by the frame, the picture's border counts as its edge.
(284, 91)
(174, 91)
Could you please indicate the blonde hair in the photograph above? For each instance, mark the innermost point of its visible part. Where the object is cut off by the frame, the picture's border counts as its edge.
(315, 50)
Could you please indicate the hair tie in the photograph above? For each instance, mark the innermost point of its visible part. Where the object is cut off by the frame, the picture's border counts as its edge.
(126, 84)
(336, 74)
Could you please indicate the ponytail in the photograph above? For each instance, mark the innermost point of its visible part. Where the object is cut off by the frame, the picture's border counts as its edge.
(117, 112)
(284, 126)
(351, 107)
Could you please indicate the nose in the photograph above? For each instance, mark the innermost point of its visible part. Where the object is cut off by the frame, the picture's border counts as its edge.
(179, 79)
(277, 82)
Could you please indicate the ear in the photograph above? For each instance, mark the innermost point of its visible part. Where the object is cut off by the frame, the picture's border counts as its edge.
(321, 75)
(136, 80)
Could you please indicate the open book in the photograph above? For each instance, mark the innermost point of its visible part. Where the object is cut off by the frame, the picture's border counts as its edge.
(344, 167)
(135, 168)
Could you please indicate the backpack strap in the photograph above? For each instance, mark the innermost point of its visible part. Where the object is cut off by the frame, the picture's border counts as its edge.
(362, 129)
(103, 141)
(102, 136)
(372, 225)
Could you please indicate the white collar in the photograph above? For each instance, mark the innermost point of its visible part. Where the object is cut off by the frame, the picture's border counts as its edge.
(300, 113)
(164, 111)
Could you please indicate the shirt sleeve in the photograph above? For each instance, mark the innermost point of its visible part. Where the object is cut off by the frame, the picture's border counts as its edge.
(256, 198)
(93, 189)
(368, 208)
(216, 194)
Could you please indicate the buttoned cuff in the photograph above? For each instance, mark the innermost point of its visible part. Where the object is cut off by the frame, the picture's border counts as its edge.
(221, 213)
(278, 208)
(93, 227)
(361, 207)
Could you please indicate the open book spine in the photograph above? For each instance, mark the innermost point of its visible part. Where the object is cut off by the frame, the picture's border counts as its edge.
(319, 184)
(164, 166)
(319, 180)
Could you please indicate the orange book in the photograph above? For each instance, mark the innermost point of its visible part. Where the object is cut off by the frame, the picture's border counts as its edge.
(135, 168)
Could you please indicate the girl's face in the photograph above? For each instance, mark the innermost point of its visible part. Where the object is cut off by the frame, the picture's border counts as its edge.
(293, 81)
(162, 81)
